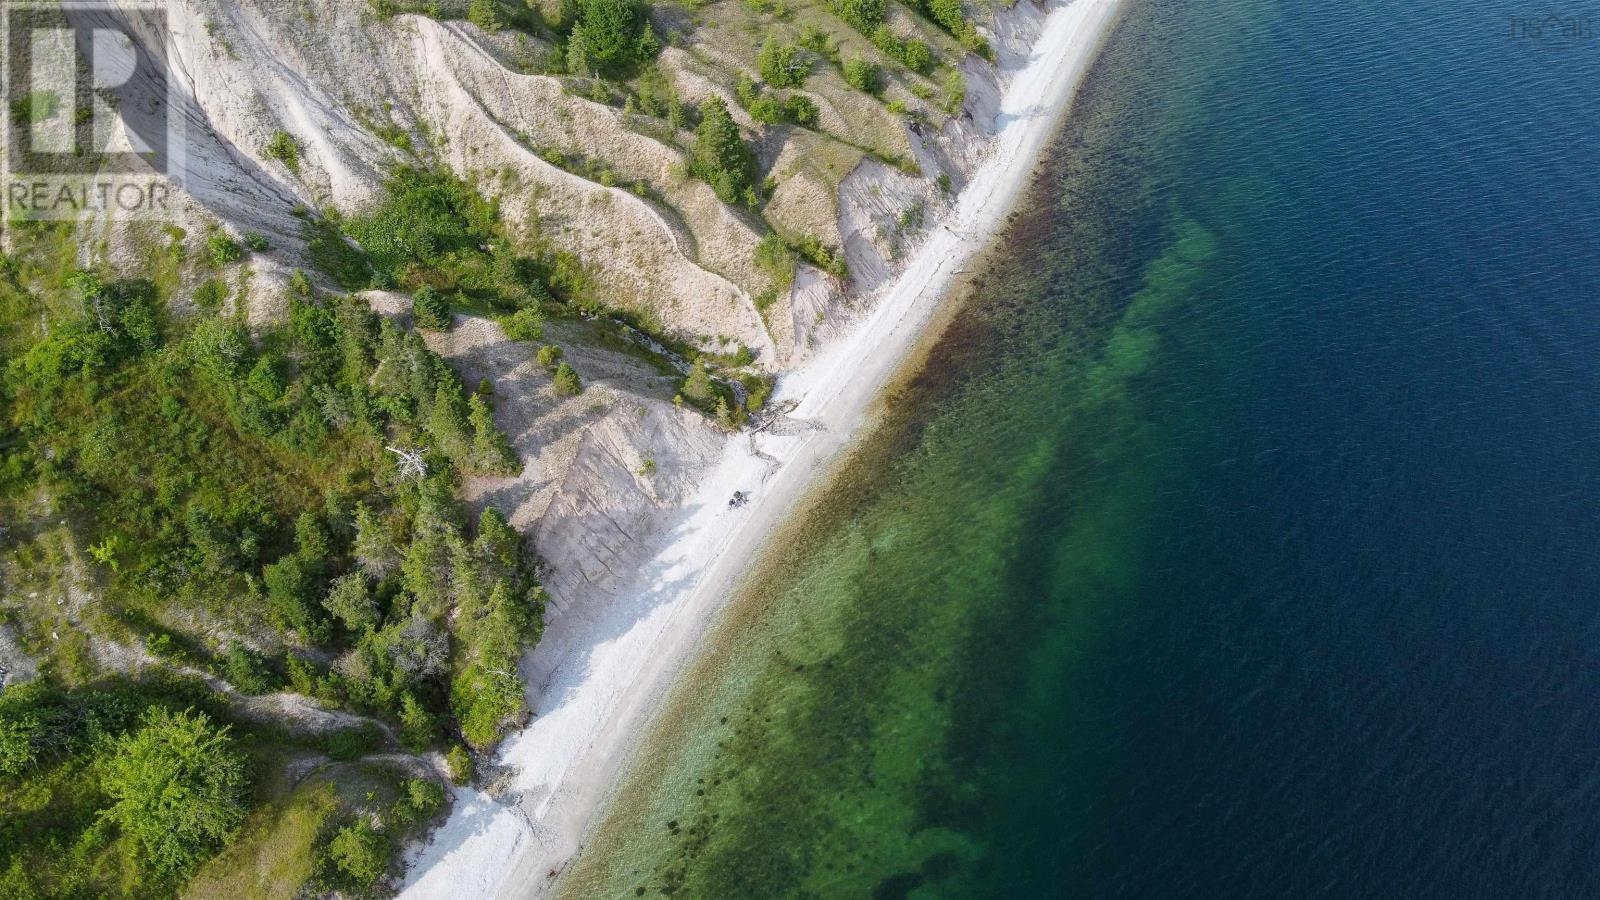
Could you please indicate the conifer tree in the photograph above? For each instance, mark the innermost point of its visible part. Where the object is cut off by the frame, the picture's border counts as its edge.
(430, 310)
(720, 155)
(374, 546)
(448, 424)
(491, 451)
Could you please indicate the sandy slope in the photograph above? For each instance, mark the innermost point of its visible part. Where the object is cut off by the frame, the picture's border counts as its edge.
(600, 677)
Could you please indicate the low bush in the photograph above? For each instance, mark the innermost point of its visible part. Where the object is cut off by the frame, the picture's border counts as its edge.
(566, 381)
(861, 74)
(224, 249)
(782, 64)
(459, 763)
(283, 148)
(525, 324)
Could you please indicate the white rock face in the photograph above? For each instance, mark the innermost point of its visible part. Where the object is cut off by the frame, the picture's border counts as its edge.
(601, 524)
(16, 666)
(348, 88)
(875, 199)
(601, 471)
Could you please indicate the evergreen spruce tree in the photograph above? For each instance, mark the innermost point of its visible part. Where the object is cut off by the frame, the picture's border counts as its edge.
(448, 424)
(374, 547)
(491, 452)
(430, 310)
(720, 155)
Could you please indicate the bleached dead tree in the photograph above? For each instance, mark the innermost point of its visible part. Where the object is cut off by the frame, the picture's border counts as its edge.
(411, 463)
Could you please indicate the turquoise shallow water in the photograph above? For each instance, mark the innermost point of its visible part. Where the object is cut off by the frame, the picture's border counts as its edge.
(1240, 537)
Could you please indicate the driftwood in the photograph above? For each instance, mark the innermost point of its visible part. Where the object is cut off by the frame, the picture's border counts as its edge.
(775, 420)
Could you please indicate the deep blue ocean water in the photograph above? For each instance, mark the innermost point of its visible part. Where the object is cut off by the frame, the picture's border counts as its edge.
(1358, 649)
(1242, 536)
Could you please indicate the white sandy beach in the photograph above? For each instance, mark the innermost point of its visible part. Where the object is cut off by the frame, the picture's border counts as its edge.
(605, 676)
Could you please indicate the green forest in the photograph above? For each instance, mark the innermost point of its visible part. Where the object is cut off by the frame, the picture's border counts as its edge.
(255, 509)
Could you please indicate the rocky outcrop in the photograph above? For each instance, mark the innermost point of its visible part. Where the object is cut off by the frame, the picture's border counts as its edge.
(883, 212)
(633, 468)
(601, 471)
(16, 666)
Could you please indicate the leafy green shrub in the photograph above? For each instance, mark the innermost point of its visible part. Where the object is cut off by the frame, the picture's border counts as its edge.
(19, 743)
(861, 74)
(211, 294)
(949, 15)
(549, 355)
(817, 41)
(781, 64)
(361, 854)
(353, 743)
(247, 670)
(767, 109)
(293, 588)
(162, 646)
(485, 702)
(486, 14)
(945, 12)
(800, 110)
(283, 148)
(525, 324)
(746, 89)
(774, 257)
(566, 381)
(224, 249)
(823, 257)
(917, 56)
(61, 753)
(178, 787)
(911, 52)
(350, 602)
(459, 763)
(418, 726)
(862, 15)
(255, 242)
(426, 220)
(430, 310)
(757, 389)
(421, 800)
